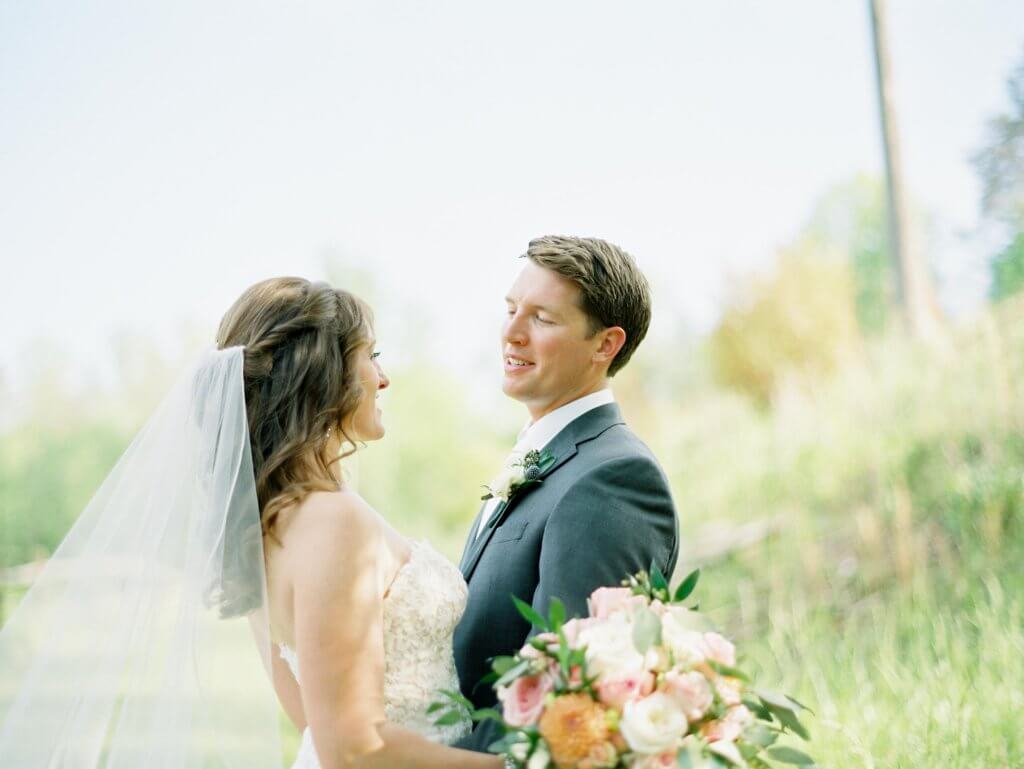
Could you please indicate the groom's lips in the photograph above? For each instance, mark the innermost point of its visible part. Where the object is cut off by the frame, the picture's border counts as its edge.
(521, 364)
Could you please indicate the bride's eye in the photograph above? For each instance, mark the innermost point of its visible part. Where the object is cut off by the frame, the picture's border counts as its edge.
(374, 355)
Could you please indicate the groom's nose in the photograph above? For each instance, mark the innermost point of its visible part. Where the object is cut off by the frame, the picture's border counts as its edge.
(514, 330)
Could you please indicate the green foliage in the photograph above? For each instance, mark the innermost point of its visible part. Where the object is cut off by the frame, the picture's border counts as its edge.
(47, 475)
(1008, 269)
(1000, 164)
(799, 320)
(851, 218)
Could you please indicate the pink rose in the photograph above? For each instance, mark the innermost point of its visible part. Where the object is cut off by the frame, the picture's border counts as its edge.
(523, 700)
(729, 690)
(692, 691)
(615, 692)
(605, 601)
(530, 651)
(574, 627)
(719, 649)
(729, 727)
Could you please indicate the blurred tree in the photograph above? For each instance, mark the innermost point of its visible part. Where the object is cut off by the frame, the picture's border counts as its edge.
(1001, 167)
(1008, 269)
(798, 320)
(851, 218)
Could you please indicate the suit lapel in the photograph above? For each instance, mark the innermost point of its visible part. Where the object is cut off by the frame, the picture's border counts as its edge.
(472, 540)
(563, 448)
(476, 549)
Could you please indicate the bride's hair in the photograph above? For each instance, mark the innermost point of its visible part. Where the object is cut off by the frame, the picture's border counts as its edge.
(300, 341)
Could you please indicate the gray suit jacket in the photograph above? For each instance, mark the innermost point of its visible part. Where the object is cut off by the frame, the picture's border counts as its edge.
(602, 511)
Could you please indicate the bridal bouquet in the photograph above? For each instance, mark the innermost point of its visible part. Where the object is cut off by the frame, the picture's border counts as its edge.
(644, 682)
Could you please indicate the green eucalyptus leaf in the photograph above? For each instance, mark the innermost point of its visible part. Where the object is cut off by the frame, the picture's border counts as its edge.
(513, 673)
(748, 750)
(776, 700)
(658, 581)
(790, 756)
(502, 665)
(759, 709)
(789, 720)
(457, 697)
(758, 734)
(436, 706)
(487, 714)
(797, 702)
(452, 717)
(726, 670)
(686, 586)
(530, 614)
(557, 614)
(646, 629)
(502, 745)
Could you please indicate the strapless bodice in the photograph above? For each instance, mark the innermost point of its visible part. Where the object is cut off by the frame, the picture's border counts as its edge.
(421, 609)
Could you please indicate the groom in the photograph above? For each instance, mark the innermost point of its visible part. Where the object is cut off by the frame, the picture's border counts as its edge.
(602, 510)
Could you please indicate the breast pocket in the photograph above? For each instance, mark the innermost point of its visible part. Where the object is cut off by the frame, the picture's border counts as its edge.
(510, 532)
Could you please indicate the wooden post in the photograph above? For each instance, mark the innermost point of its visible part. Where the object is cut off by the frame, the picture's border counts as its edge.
(914, 292)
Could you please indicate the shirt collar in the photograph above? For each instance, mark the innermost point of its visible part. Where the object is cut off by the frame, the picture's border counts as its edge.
(537, 435)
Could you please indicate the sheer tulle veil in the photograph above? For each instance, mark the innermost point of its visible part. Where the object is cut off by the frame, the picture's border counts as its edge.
(145, 641)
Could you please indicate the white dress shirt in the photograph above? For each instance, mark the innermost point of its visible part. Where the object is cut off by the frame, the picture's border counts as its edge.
(537, 435)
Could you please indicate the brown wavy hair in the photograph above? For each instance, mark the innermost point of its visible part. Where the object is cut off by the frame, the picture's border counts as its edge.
(300, 341)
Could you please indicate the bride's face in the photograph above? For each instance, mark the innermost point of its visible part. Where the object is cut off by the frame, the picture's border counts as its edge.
(366, 423)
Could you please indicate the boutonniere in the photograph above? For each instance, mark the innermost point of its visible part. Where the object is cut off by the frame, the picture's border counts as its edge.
(519, 473)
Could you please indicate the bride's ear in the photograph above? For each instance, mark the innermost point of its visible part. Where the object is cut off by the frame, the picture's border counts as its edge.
(611, 341)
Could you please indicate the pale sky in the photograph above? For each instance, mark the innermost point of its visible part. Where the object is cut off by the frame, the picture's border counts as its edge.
(155, 159)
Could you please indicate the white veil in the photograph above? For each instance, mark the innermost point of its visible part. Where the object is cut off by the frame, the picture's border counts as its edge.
(144, 644)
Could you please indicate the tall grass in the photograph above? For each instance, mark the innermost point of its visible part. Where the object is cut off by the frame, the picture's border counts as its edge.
(891, 599)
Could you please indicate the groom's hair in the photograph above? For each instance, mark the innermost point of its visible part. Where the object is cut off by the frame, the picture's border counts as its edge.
(613, 291)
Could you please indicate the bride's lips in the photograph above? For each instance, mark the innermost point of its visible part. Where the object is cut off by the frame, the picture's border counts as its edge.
(515, 365)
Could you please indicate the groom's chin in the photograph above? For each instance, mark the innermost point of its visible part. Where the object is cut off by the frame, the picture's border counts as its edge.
(511, 388)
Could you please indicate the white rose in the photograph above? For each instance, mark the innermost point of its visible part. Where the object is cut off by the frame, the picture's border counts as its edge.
(653, 724)
(519, 751)
(687, 645)
(540, 758)
(610, 649)
(510, 475)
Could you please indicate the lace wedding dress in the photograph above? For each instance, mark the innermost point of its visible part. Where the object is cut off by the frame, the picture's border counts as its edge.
(421, 610)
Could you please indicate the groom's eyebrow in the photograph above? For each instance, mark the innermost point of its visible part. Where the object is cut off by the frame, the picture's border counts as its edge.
(541, 307)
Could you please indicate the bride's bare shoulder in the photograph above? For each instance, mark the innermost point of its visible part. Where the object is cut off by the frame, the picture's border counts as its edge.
(332, 519)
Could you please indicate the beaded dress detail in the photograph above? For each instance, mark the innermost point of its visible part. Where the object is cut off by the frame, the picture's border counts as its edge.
(422, 608)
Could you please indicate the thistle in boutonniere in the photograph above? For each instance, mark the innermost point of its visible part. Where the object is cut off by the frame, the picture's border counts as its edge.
(519, 472)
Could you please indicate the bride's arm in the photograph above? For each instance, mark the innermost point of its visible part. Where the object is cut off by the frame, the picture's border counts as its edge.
(337, 543)
(287, 690)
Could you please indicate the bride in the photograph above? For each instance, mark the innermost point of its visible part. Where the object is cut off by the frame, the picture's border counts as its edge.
(225, 560)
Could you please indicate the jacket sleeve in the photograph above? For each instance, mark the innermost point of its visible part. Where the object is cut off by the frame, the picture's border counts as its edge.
(615, 520)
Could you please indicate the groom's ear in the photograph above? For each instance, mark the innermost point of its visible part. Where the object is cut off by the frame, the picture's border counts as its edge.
(611, 341)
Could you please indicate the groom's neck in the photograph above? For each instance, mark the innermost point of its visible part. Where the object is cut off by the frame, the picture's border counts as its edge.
(537, 411)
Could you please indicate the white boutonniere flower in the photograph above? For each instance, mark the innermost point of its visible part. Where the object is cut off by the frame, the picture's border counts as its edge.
(520, 471)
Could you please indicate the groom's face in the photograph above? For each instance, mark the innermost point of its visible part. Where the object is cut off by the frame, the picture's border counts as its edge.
(547, 343)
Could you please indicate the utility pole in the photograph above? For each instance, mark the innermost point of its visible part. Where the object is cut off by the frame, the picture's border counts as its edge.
(914, 292)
